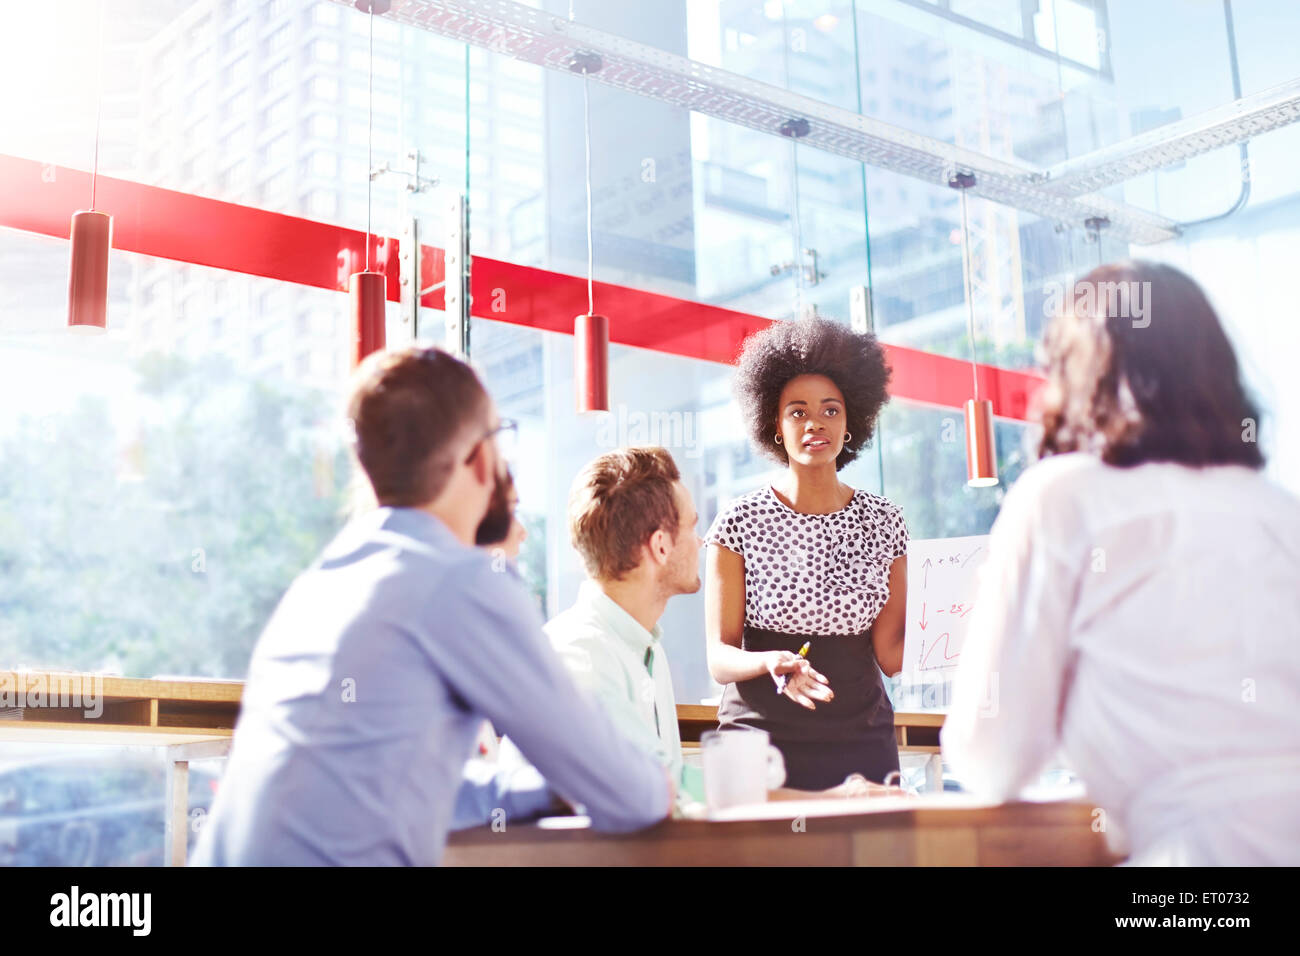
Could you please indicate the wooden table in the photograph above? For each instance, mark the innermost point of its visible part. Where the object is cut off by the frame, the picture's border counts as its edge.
(943, 830)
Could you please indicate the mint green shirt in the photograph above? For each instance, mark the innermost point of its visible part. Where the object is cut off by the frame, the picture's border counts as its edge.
(611, 656)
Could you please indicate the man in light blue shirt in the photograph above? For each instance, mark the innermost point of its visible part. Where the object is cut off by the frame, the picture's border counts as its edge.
(367, 688)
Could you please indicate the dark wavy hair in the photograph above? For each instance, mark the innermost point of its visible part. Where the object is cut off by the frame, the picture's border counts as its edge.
(854, 361)
(1162, 387)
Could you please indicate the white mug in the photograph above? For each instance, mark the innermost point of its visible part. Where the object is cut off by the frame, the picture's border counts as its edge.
(740, 766)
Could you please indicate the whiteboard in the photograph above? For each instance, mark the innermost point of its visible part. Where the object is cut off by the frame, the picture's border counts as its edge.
(942, 580)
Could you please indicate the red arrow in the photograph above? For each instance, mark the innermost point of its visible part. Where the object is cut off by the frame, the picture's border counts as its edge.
(923, 615)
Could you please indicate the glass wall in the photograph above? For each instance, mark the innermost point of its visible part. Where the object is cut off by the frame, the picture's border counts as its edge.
(164, 483)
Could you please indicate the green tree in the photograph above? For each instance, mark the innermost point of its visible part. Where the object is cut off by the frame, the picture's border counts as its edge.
(164, 549)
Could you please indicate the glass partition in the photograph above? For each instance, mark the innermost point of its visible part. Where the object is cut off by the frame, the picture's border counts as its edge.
(165, 482)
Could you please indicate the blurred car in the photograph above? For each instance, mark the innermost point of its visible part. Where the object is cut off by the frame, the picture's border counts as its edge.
(92, 809)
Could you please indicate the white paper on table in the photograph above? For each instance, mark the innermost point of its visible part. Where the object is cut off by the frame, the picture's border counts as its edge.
(790, 809)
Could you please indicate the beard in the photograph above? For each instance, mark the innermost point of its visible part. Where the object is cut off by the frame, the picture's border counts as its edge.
(495, 526)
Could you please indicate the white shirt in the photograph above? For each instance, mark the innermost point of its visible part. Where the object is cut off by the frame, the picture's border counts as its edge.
(1146, 622)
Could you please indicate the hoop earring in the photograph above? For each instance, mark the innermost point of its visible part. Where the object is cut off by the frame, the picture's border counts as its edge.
(778, 439)
(847, 438)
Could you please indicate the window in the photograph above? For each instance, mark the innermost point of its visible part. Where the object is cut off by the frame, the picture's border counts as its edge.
(236, 177)
(278, 76)
(354, 171)
(279, 39)
(325, 88)
(276, 152)
(200, 68)
(387, 65)
(323, 126)
(322, 205)
(325, 51)
(528, 106)
(321, 163)
(277, 112)
(238, 37)
(276, 191)
(237, 72)
(237, 107)
(522, 177)
(514, 138)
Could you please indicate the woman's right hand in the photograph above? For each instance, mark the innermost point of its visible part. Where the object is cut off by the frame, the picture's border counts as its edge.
(803, 684)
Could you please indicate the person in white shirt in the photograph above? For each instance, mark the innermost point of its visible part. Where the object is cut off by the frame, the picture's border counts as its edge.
(1139, 611)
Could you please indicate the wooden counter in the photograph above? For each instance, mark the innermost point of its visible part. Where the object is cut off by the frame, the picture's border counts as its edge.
(943, 830)
(194, 719)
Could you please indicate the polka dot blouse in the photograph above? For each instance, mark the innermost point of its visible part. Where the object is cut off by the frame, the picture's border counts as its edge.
(812, 574)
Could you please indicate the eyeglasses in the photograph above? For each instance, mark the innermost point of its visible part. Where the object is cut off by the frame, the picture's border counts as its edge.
(507, 432)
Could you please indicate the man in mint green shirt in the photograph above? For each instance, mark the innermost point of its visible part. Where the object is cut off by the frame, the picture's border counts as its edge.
(633, 523)
(611, 655)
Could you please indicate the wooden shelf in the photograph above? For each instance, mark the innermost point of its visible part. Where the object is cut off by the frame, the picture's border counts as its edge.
(204, 709)
(120, 706)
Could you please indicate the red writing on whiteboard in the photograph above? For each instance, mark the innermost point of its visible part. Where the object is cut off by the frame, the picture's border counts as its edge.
(942, 660)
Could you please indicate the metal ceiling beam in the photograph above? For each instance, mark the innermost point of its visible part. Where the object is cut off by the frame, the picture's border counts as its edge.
(1174, 142)
(538, 37)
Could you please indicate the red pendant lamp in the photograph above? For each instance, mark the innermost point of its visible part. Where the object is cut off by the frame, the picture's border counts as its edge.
(367, 291)
(590, 331)
(92, 237)
(981, 441)
(367, 300)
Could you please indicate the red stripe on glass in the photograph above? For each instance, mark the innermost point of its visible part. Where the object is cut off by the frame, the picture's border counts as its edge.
(153, 221)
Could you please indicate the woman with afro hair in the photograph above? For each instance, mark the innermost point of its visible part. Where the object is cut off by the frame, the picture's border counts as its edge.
(810, 560)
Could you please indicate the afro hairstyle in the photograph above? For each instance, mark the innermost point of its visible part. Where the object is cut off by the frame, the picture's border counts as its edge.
(854, 361)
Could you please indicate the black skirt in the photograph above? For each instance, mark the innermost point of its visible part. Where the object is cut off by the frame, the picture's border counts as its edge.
(854, 733)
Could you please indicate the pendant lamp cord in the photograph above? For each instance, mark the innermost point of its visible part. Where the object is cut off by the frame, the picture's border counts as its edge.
(99, 107)
(970, 302)
(586, 138)
(370, 126)
(794, 181)
(586, 143)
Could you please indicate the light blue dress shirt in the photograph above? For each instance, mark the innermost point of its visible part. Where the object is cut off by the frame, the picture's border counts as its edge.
(365, 694)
